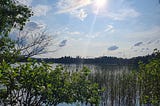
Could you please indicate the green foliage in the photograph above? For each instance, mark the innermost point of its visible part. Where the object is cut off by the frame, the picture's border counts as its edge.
(149, 77)
(7, 50)
(12, 16)
(37, 83)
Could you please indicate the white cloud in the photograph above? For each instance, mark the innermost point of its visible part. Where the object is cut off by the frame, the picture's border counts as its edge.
(41, 10)
(152, 33)
(73, 33)
(93, 35)
(24, 2)
(66, 31)
(80, 14)
(66, 6)
(109, 28)
(73, 7)
(32, 26)
(123, 14)
(29, 30)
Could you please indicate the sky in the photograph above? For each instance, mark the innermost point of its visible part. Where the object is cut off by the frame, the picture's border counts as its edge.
(93, 28)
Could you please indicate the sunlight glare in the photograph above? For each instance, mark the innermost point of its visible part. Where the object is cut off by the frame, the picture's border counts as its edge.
(100, 3)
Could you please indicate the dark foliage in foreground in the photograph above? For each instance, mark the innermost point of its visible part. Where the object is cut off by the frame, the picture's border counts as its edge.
(34, 84)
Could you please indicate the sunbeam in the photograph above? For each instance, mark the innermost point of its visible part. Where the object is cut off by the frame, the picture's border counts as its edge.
(90, 32)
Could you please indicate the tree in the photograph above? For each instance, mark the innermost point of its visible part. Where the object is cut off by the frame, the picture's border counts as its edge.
(149, 77)
(27, 44)
(12, 16)
(33, 43)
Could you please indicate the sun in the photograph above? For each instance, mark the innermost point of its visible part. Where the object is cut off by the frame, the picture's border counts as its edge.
(100, 3)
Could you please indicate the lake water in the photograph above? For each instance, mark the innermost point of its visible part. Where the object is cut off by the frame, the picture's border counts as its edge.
(121, 89)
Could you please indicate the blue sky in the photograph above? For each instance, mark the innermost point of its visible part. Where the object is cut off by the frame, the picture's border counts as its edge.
(92, 28)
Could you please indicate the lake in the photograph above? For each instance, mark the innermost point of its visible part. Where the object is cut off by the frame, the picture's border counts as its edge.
(121, 86)
(119, 81)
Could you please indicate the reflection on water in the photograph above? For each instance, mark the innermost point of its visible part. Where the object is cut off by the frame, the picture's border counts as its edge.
(121, 88)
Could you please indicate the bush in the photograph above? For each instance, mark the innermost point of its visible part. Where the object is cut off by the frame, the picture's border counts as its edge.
(35, 83)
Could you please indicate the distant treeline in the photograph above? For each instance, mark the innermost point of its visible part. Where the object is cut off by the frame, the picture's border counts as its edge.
(100, 60)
